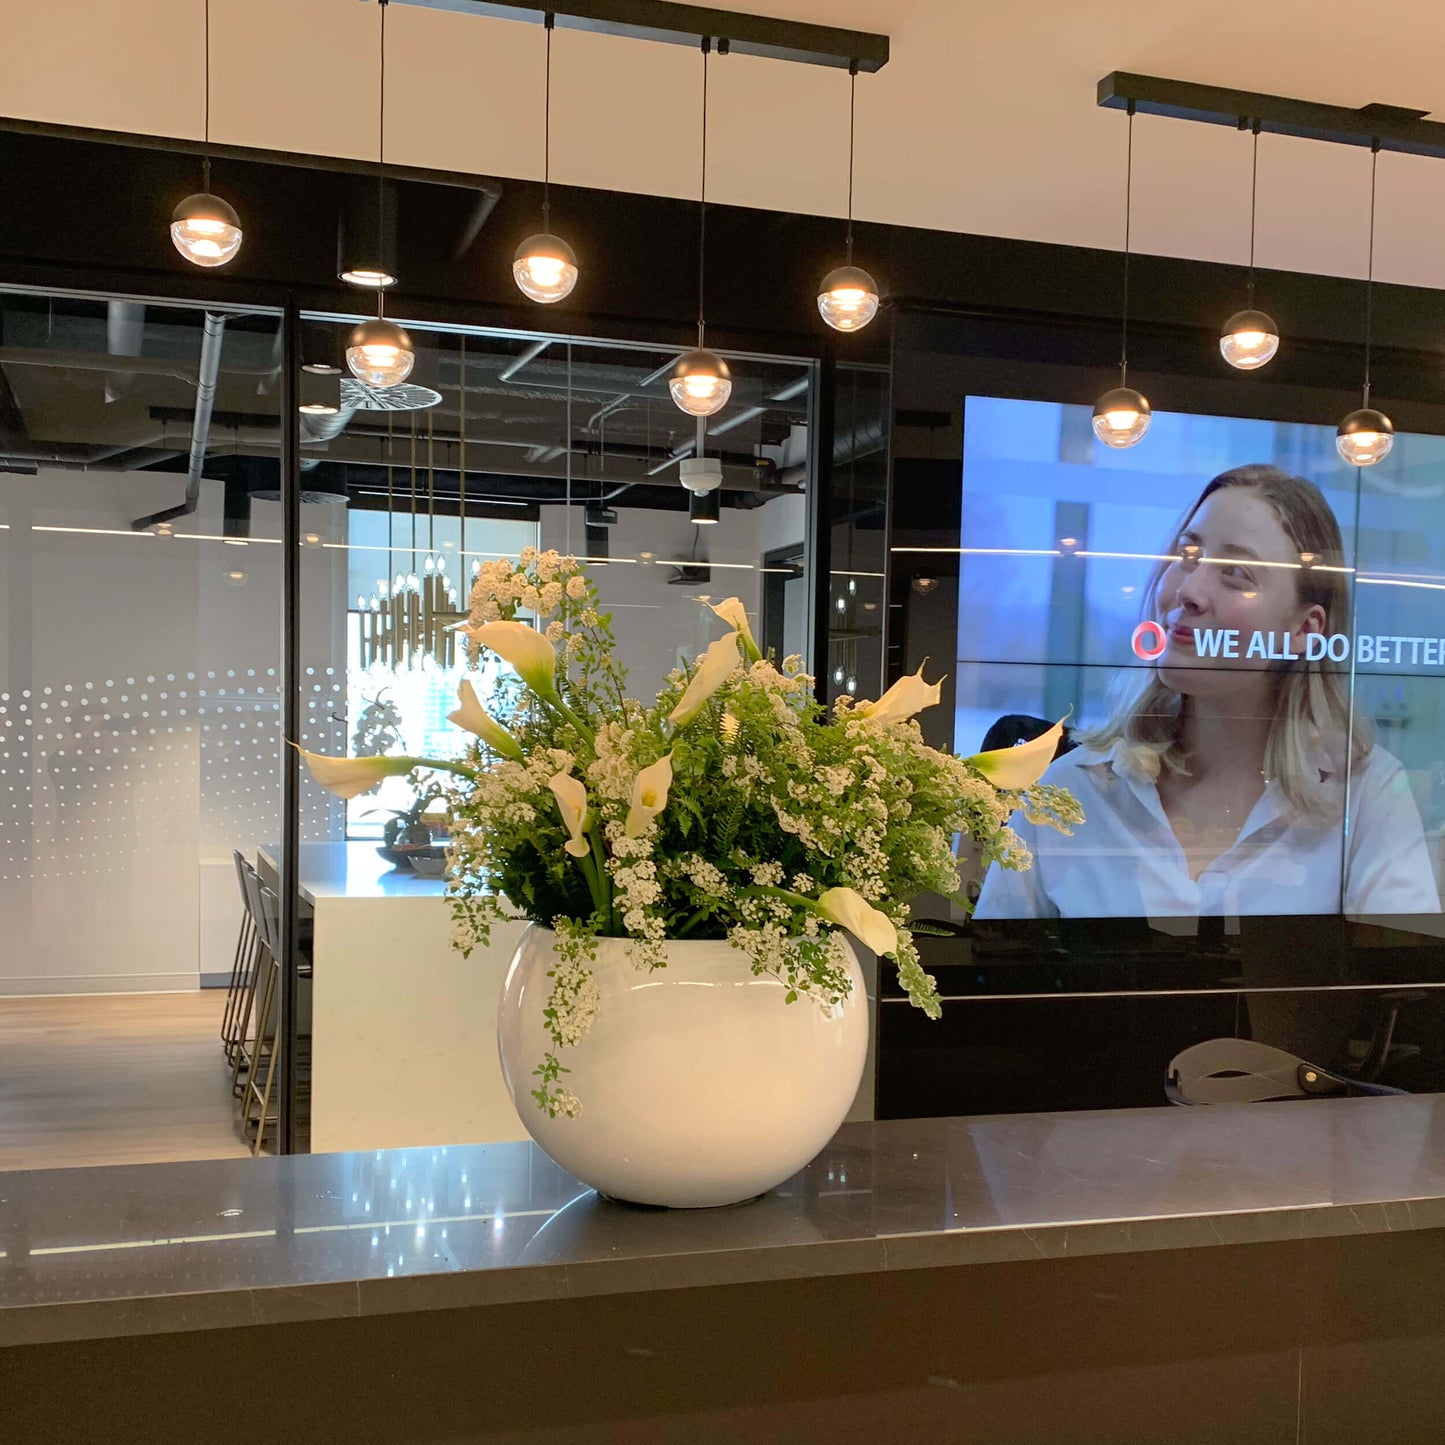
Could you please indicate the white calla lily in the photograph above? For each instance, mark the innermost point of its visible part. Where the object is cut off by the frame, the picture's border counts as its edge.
(732, 611)
(907, 696)
(472, 716)
(571, 795)
(848, 909)
(351, 777)
(649, 795)
(526, 650)
(1011, 770)
(714, 668)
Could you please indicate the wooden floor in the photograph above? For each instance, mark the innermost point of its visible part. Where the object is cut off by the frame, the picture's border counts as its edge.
(114, 1079)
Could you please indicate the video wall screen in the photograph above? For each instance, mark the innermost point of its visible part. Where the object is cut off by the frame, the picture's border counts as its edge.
(1247, 637)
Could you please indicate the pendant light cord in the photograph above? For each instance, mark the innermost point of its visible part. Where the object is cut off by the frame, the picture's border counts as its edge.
(1128, 214)
(702, 199)
(206, 111)
(462, 459)
(549, 20)
(1253, 200)
(381, 163)
(1370, 267)
(852, 107)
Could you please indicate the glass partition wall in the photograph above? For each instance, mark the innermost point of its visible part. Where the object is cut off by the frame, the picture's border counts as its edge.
(494, 442)
(140, 566)
(142, 687)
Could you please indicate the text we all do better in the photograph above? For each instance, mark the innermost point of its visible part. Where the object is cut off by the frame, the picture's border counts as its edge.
(1229, 643)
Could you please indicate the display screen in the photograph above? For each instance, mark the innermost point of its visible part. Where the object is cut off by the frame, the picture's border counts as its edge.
(1247, 637)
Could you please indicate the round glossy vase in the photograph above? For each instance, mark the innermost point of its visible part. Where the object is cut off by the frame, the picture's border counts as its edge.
(699, 1086)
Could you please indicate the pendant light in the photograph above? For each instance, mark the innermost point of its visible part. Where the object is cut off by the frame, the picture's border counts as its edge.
(204, 229)
(701, 382)
(1366, 436)
(379, 352)
(848, 297)
(545, 266)
(1121, 416)
(1250, 338)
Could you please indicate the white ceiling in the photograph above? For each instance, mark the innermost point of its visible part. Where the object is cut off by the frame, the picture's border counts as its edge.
(984, 120)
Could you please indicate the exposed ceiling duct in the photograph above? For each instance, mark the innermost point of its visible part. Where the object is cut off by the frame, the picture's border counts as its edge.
(124, 331)
(212, 337)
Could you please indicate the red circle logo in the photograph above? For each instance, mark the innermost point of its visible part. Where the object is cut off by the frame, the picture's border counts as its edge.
(1149, 641)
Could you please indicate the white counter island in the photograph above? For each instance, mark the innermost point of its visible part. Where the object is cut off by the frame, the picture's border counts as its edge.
(403, 1049)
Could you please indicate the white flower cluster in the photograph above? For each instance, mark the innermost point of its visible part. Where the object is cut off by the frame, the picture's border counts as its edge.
(574, 1003)
(500, 588)
(610, 775)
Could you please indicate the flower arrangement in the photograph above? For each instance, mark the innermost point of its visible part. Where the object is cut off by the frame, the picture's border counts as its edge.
(734, 806)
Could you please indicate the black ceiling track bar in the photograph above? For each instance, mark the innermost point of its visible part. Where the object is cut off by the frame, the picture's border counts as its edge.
(171, 145)
(672, 24)
(1396, 128)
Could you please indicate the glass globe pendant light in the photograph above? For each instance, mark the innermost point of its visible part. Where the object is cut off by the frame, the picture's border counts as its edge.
(1122, 416)
(204, 228)
(1366, 436)
(1250, 338)
(701, 382)
(848, 296)
(379, 353)
(545, 266)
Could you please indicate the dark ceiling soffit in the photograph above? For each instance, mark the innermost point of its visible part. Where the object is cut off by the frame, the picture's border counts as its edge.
(675, 24)
(1396, 128)
(461, 180)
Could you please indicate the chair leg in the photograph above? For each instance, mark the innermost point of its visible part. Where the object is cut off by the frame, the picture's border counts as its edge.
(236, 988)
(246, 1045)
(262, 1076)
(254, 1039)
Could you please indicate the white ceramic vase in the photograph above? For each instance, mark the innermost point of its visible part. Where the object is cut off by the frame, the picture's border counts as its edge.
(699, 1086)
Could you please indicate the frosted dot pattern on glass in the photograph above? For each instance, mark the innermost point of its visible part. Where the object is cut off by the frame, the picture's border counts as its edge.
(96, 775)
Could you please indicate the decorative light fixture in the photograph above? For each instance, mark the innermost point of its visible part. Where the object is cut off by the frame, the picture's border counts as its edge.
(545, 266)
(320, 387)
(848, 297)
(701, 382)
(204, 228)
(379, 352)
(702, 476)
(366, 239)
(1250, 338)
(1366, 436)
(407, 622)
(1121, 416)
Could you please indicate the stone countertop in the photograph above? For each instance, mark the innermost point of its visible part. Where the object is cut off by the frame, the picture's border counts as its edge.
(96, 1253)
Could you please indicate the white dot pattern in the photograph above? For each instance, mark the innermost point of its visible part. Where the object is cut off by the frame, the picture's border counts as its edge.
(95, 775)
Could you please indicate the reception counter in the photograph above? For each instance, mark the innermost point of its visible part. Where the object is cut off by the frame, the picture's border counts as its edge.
(1238, 1257)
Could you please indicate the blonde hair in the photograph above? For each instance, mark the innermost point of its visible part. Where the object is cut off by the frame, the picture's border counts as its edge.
(1312, 709)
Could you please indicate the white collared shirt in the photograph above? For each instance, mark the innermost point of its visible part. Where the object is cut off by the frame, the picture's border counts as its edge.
(1124, 861)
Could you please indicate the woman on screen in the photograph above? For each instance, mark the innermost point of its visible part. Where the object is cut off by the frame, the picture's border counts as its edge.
(1222, 782)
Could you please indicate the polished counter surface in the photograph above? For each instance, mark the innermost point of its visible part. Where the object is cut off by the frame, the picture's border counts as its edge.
(352, 870)
(95, 1253)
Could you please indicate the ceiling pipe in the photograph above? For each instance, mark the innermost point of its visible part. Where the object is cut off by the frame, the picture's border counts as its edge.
(124, 333)
(522, 359)
(212, 337)
(481, 212)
